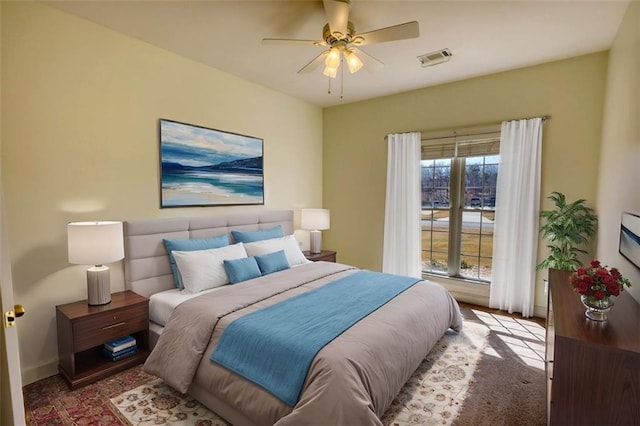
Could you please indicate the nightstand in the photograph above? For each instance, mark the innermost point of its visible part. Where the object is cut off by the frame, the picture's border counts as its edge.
(82, 330)
(326, 255)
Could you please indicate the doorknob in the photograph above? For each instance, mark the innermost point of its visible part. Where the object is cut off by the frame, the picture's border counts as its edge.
(10, 316)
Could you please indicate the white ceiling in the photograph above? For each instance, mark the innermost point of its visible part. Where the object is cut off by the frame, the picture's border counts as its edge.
(484, 36)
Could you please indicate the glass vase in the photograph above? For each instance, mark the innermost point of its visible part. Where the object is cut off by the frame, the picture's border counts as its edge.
(597, 308)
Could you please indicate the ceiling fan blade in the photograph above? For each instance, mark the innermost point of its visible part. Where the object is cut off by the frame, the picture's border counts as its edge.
(396, 32)
(337, 12)
(369, 63)
(314, 64)
(293, 41)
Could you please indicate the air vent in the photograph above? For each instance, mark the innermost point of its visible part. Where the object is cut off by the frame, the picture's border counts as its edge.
(435, 58)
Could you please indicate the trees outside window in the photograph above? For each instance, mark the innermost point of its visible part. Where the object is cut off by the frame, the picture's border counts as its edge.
(458, 212)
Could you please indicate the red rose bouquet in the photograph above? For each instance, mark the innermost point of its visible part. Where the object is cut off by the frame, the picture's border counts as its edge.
(597, 281)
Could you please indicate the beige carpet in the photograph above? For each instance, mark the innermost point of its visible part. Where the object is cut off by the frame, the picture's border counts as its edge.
(508, 385)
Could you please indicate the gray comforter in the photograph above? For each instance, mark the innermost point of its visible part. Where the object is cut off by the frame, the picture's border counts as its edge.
(352, 380)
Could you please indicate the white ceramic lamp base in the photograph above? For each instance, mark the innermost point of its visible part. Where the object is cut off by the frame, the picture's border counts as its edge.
(315, 242)
(98, 286)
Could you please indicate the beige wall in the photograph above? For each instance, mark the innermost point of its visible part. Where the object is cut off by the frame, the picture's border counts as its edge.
(80, 142)
(619, 172)
(570, 91)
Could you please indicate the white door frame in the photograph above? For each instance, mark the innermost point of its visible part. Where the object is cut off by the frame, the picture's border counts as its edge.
(12, 408)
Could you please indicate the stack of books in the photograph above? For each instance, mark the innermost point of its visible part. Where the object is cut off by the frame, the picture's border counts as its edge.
(120, 348)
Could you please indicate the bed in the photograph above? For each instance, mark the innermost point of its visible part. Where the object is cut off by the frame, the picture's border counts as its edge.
(353, 377)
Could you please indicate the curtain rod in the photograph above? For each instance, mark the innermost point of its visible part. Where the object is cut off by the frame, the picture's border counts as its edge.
(544, 118)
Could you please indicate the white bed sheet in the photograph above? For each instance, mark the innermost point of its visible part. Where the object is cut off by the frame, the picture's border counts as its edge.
(162, 304)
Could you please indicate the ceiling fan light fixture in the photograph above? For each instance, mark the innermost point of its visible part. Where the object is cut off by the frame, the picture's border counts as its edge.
(342, 42)
(330, 72)
(353, 62)
(333, 58)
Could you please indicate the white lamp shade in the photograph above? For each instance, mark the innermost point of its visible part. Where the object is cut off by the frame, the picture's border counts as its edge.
(95, 243)
(314, 219)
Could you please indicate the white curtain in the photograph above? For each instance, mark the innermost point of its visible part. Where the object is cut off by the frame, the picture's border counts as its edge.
(402, 231)
(515, 242)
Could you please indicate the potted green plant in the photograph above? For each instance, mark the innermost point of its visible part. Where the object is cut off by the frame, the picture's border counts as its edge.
(567, 227)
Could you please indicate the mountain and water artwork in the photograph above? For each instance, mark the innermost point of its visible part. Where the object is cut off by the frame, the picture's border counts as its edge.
(629, 245)
(208, 167)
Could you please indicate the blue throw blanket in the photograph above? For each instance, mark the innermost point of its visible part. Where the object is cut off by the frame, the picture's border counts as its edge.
(274, 346)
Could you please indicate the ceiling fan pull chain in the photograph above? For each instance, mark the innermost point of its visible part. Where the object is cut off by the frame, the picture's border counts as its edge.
(341, 77)
(329, 78)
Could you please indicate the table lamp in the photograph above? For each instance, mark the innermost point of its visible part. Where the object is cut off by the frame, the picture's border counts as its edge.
(96, 243)
(315, 220)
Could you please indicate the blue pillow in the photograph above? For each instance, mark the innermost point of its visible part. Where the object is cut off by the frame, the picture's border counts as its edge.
(191, 245)
(251, 236)
(242, 269)
(272, 262)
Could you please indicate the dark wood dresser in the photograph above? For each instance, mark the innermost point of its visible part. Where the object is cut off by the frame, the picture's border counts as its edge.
(593, 368)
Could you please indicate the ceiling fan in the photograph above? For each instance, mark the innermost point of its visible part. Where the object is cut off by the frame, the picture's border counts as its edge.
(339, 34)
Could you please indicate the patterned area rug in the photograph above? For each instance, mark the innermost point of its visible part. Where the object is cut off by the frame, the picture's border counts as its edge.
(155, 403)
(445, 390)
(434, 393)
(50, 402)
(432, 396)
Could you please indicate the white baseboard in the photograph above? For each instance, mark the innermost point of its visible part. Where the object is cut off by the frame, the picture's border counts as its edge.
(540, 311)
(474, 293)
(33, 374)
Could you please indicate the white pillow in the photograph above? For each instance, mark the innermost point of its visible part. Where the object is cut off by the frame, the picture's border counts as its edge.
(204, 269)
(288, 243)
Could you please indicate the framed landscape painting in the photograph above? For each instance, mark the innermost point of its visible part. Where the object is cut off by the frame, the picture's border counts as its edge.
(207, 167)
(629, 245)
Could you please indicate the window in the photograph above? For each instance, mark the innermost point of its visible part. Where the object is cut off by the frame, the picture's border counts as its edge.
(459, 176)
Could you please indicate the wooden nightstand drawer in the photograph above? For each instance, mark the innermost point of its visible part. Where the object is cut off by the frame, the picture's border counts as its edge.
(108, 326)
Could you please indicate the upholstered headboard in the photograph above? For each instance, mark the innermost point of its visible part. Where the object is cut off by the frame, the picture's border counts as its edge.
(146, 262)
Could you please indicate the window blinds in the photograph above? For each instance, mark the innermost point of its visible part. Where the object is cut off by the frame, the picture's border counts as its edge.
(461, 143)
